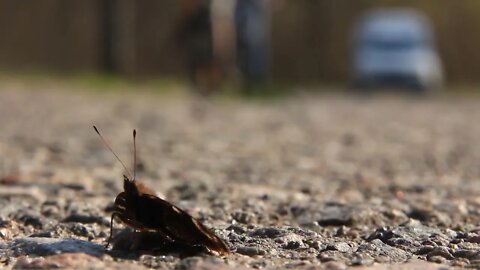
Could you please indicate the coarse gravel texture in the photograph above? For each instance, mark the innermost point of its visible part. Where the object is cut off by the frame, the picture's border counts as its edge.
(311, 182)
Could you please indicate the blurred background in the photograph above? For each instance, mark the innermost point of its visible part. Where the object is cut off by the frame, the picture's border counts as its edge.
(244, 43)
(326, 156)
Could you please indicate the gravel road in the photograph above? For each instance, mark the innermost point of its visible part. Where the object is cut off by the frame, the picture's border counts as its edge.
(313, 182)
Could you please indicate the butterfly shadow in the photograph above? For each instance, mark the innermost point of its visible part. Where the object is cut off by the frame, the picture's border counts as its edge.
(128, 244)
(42, 246)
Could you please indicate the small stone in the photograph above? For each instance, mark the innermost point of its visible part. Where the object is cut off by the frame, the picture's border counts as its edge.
(261, 263)
(422, 214)
(292, 245)
(197, 263)
(413, 264)
(339, 246)
(437, 259)
(473, 239)
(29, 219)
(25, 262)
(66, 260)
(424, 250)
(365, 261)
(74, 186)
(156, 261)
(269, 232)
(82, 230)
(323, 257)
(336, 216)
(475, 257)
(460, 263)
(5, 233)
(243, 217)
(353, 234)
(466, 253)
(334, 265)
(48, 246)
(86, 219)
(342, 231)
(442, 252)
(188, 263)
(236, 229)
(250, 251)
(315, 244)
(295, 264)
(382, 252)
(47, 234)
(3, 221)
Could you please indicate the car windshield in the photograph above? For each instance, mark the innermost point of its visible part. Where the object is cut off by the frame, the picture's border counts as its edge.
(393, 31)
(393, 44)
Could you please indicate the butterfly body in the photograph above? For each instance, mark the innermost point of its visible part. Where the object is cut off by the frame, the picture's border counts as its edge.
(140, 208)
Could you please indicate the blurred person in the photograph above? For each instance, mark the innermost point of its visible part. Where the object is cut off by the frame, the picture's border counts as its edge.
(195, 35)
(223, 34)
(252, 22)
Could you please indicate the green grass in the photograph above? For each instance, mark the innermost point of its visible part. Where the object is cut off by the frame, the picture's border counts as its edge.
(112, 83)
(94, 82)
(169, 86)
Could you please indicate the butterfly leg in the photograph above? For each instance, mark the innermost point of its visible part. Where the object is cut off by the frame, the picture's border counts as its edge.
(111, 230)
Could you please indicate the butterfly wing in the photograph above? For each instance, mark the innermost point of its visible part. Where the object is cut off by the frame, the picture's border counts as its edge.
(143, 189)
(158, 214)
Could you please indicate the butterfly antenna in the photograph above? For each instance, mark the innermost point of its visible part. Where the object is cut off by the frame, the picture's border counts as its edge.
(134, 154)
(111, 150)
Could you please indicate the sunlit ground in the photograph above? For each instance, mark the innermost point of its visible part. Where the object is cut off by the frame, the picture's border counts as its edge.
(321, 167)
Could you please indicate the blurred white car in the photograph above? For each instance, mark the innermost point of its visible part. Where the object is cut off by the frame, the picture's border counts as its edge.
(395, 48)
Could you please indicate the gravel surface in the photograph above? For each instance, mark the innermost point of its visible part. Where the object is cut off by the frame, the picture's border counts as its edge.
(318, 182)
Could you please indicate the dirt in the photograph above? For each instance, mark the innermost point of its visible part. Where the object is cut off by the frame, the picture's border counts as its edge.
(311, 182)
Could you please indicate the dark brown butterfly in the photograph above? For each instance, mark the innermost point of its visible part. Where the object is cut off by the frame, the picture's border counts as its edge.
(139, 207)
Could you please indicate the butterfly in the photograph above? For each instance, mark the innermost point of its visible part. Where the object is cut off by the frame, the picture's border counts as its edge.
(141, 209)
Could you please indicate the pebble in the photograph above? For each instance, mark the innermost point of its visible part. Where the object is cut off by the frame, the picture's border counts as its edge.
(46, 234)
(424, 250)
(86, 219)
(334, 265)
(48, 246)
(188, 263)
(473, 239)
(235, 228)
(326, 256)
(261, 263)
(336, 216)
(66, 260)
(413, 264)
(250, 251)
(437, 259)
(315, 244)
(440, 251)
(383, 252)
(295, 264)
(161, 262)
(205, 265)
(358, 261)
(292, 245)
(82, 230)
(269, 232)
(28, 218)
(466, 253)
(339, 246)
(243, 217)
(3, 221)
